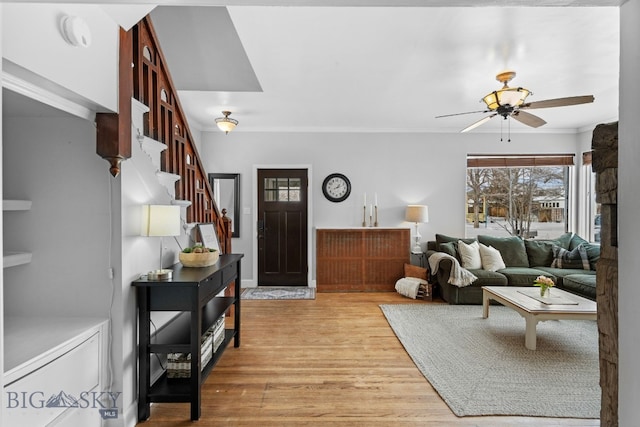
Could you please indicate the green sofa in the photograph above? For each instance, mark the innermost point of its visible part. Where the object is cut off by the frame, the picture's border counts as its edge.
(524, 259)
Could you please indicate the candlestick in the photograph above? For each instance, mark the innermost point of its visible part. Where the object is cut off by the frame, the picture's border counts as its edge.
(370, 215)
(364, 216)
(375, 224)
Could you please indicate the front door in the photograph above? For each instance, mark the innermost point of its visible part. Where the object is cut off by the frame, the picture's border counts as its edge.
(282, 227)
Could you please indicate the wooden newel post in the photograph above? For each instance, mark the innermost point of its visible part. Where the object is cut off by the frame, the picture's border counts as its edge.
(113, 131)
(227, 231)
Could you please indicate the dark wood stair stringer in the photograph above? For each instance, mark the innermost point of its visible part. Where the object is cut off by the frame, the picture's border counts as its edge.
(144, 75)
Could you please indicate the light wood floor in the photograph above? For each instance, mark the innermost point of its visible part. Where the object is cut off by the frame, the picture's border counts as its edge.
(329, 361)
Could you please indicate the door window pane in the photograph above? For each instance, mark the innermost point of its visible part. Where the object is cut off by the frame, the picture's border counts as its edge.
(282, 189)
(294, 189)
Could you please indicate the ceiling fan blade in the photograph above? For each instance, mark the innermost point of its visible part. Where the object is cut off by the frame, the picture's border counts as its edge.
(460, 114)
(559, 102)
(478, 123)
(528, 119)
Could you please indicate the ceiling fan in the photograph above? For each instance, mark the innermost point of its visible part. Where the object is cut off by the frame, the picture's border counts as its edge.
(510, 101)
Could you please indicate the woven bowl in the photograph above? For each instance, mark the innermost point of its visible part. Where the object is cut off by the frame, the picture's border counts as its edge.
(204, 259)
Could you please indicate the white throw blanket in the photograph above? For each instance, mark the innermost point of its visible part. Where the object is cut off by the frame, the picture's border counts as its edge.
(459, 276)
(409, 286)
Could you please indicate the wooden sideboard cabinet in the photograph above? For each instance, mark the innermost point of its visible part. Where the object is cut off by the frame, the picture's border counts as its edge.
(360, 259)
(196, 293)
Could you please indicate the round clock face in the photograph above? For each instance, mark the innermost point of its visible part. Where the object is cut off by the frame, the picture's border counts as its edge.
(336, 187)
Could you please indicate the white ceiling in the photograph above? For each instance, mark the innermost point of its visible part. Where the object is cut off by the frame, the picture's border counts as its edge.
(378, 69)
(391, 68)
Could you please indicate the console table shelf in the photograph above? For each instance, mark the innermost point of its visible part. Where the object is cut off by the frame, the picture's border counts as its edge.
(178, 389)
(194, 291)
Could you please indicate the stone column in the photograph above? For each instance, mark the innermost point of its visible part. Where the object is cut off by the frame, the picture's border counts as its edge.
(605, 165)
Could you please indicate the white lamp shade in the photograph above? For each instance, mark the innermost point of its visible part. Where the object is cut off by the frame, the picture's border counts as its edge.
(417, 213)
(160, 220)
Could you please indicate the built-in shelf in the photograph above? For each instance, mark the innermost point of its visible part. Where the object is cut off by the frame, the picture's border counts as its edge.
(11, 259)
(16, 205)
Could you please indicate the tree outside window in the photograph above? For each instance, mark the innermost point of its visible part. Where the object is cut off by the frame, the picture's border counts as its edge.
(517, 201)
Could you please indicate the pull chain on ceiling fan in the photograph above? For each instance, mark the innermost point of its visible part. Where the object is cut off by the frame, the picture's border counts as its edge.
(510, 101)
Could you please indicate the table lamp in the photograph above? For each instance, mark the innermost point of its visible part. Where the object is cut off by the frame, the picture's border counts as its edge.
(417, 214)
(160, 221)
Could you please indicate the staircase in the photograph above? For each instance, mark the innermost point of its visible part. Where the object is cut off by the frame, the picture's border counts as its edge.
(155, 119)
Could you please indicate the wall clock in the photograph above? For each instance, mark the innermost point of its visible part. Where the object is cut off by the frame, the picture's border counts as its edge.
(336, 187)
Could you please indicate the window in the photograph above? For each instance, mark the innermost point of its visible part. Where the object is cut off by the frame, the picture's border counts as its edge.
(591, 207)
(515, 195)
(282, 189)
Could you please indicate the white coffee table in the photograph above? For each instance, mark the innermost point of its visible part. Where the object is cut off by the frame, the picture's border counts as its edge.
(566, 306)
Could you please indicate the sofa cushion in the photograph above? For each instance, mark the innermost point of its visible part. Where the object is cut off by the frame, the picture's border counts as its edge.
(582, 284)
(488, 278)
(491, 258)
(539, 252)
(561, 273)
(523, 276)
(469, 255)
(512, 249)
(577, 258)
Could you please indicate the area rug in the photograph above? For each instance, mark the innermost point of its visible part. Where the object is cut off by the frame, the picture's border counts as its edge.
(481, 367)
(272, 292)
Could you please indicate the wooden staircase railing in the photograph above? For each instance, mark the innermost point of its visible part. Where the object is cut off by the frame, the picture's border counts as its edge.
(148, 80)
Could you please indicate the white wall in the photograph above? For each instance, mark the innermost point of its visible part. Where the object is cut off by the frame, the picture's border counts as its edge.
(137, 185)
(33, 42)
(2, 232)
(402, 168)
(52, 162)
(628, 208)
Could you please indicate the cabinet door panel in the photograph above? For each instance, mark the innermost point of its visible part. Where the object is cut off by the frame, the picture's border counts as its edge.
(26, 400)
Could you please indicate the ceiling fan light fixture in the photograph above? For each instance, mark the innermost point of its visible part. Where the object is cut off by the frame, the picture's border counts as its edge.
(225, 123)
(513, 96)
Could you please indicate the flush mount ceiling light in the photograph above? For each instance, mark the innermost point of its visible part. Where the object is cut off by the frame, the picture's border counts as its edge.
(225, 123)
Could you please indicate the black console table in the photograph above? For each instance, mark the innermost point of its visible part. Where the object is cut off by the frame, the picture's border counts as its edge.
(194, 291)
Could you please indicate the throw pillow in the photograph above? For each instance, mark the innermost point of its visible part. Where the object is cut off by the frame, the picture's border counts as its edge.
(576, 258)
(469, 255)
(575, 241)
(564, 240)
(512, 249)
(442, 238)
(491, 258)
(593, 253)
(450, 248)
(540, 252)
(415, 271)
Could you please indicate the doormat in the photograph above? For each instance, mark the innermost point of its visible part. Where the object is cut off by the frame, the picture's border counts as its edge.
(279, 292)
